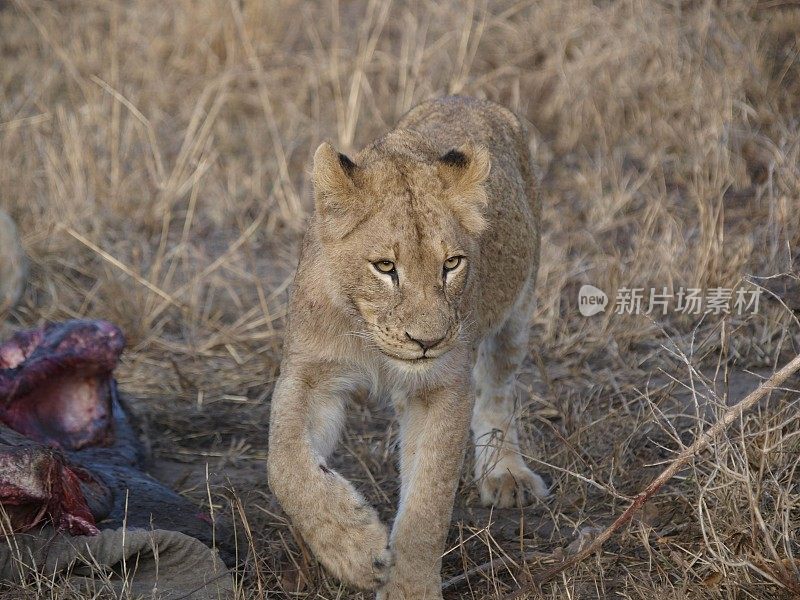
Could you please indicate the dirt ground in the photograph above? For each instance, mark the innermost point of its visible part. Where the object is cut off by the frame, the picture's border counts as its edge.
(155, 156)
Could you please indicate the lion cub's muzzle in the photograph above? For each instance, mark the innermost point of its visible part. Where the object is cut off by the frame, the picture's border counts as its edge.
(417, 347)
(431, 344)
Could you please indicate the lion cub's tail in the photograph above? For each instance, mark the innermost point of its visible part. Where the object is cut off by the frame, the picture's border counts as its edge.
(13, 265)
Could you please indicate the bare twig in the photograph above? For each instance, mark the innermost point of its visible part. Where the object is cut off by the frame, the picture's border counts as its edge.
(491, 565)
(731, 414)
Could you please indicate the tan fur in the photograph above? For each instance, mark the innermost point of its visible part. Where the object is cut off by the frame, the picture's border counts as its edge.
(12, 265)
(406, 199)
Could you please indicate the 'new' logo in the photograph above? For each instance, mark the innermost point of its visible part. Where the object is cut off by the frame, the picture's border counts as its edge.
(591, 300)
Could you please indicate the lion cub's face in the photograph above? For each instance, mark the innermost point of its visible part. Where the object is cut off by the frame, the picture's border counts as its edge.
(400, 232)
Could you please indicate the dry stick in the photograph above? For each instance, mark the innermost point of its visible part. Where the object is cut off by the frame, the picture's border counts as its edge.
(495, 563)
(730, 415)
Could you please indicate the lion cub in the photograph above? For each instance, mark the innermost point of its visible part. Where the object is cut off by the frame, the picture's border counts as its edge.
(416, 281)
(12, 265)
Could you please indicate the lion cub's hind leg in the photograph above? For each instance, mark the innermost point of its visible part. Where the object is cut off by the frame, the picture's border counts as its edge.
(502, 476)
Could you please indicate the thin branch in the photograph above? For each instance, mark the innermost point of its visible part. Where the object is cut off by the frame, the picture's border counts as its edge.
(494, 564)
(731, 414)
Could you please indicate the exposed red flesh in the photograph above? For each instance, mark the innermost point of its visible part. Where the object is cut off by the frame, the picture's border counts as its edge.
(56, 383)
(37, 482)
(56, 388)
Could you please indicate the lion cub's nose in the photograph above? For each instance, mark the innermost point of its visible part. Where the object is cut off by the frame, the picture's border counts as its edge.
(425, 344)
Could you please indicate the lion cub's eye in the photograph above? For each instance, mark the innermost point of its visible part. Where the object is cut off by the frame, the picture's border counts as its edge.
(384, 266)
(452, 263)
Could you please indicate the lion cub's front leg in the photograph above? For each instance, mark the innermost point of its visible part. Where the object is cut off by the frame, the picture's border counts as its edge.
(342, 530)
(435, 430)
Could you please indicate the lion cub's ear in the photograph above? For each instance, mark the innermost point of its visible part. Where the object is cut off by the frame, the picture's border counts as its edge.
(335, 190)
(463, 172)
(333, 172)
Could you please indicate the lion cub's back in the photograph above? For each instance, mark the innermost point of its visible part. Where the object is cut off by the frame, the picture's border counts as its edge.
(510, 246)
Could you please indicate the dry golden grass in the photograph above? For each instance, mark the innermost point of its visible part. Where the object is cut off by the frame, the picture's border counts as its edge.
(155, 156)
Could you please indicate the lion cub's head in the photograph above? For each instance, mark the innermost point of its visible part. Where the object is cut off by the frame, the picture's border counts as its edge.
(400, 228)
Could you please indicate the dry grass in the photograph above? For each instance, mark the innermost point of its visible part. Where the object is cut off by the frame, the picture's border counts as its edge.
(155, 155)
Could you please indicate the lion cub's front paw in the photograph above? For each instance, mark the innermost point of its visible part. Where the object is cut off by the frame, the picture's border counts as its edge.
(359, 555)
(511, 485)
